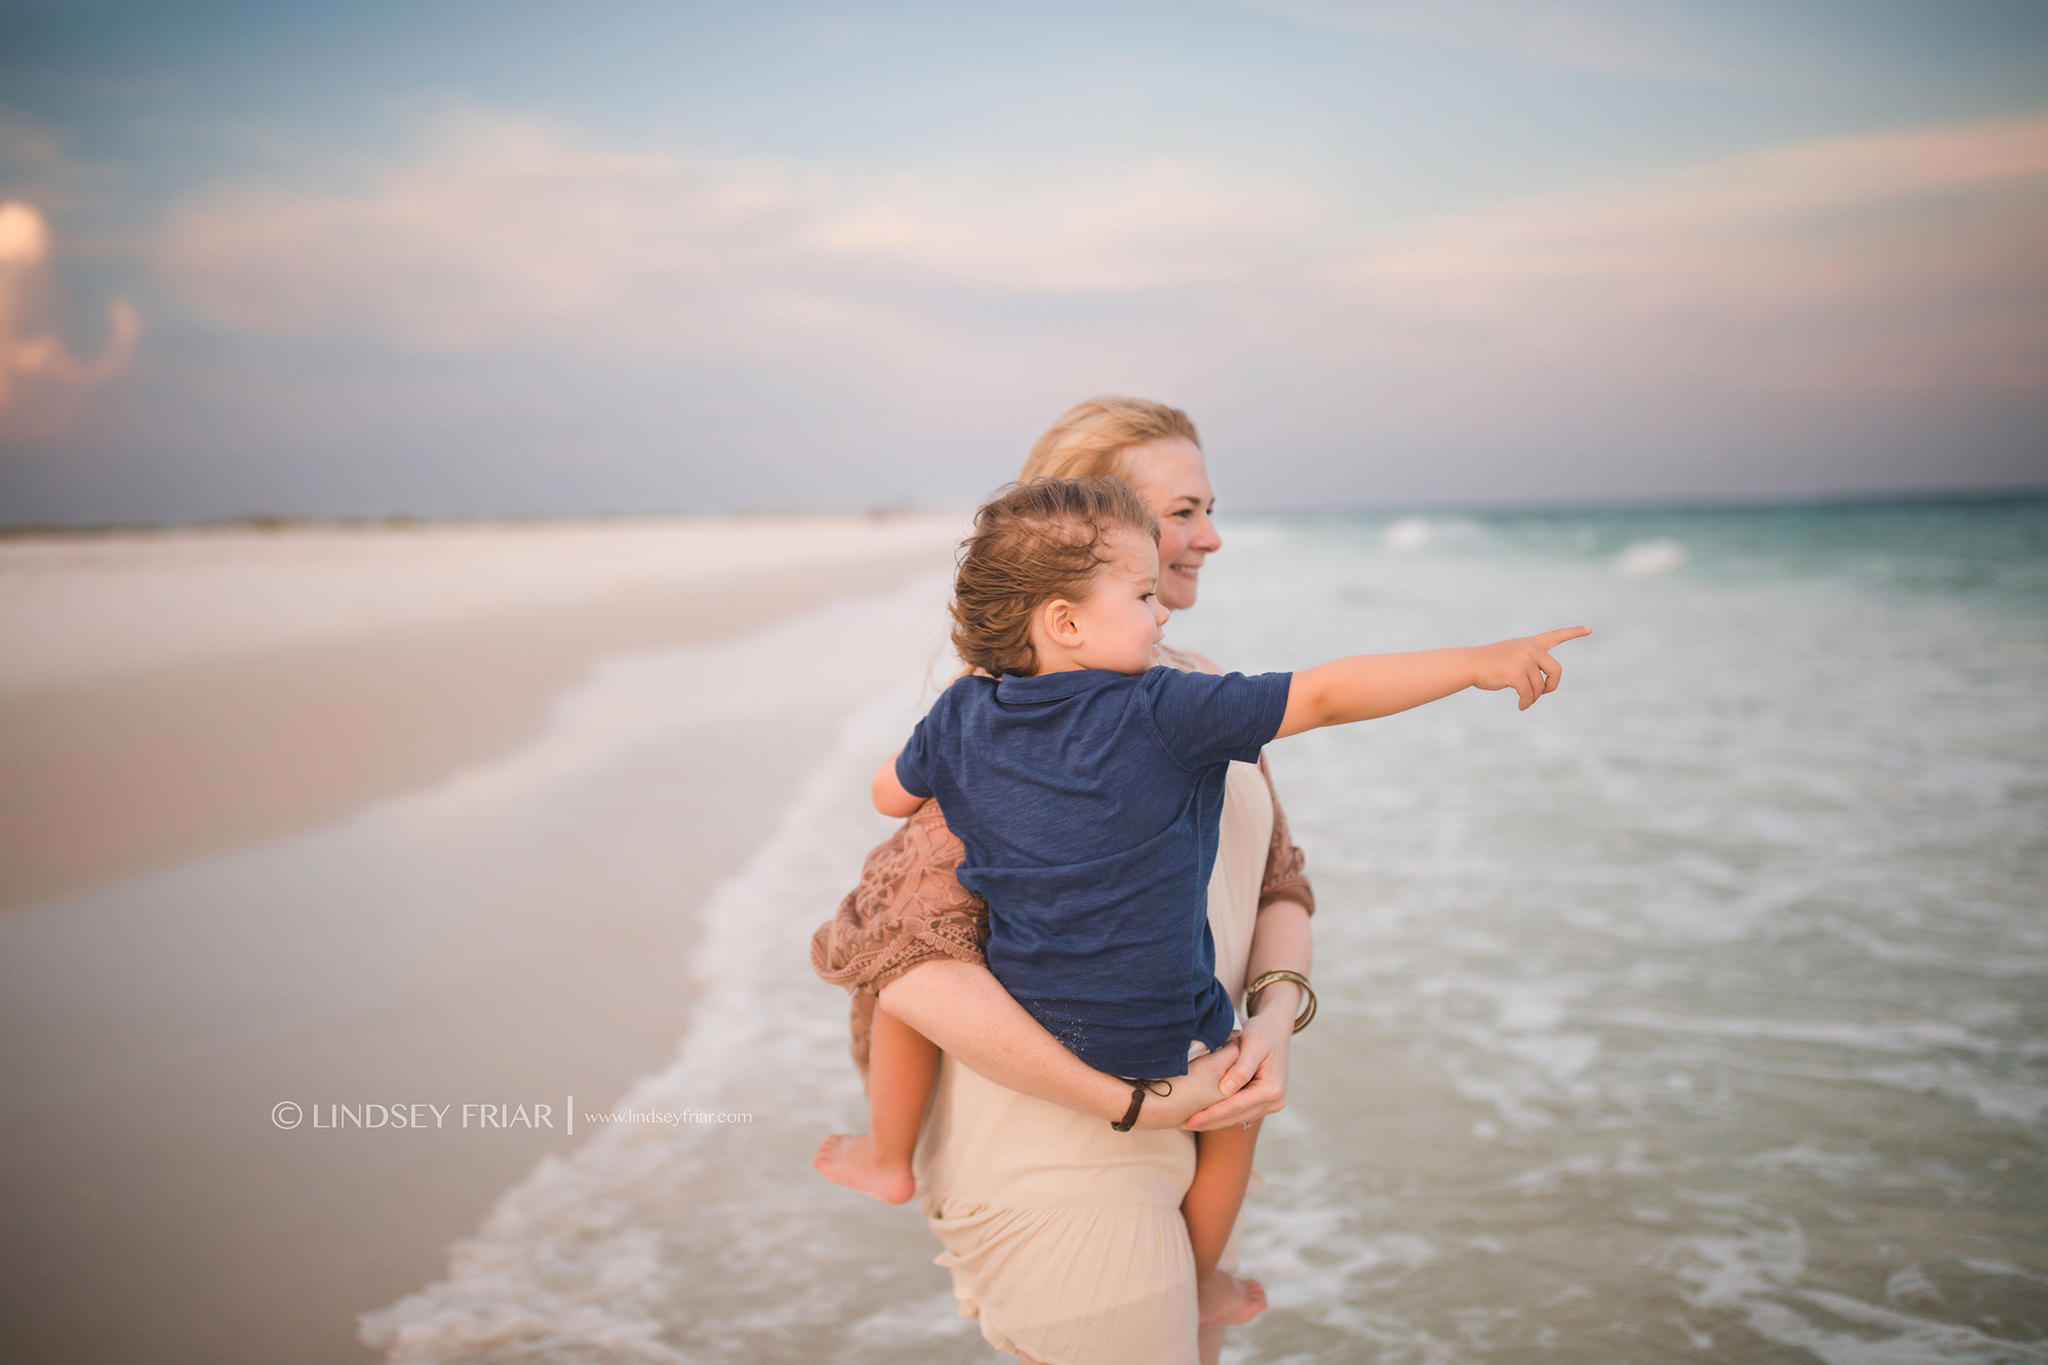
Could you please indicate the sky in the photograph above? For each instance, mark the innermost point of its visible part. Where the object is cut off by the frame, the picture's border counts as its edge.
(515, 259)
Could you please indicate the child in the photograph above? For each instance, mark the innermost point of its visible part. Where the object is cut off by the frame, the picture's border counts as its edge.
(1086, 786)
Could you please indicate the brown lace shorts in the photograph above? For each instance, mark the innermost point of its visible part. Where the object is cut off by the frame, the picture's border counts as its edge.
(907, 910)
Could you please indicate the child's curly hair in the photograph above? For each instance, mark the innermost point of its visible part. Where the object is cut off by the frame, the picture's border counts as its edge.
(1035, 541)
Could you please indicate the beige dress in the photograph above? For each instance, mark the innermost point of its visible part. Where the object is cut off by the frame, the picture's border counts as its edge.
(1064, 1236)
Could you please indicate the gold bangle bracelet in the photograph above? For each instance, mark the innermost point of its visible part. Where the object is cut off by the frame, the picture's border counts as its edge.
(1265, 979)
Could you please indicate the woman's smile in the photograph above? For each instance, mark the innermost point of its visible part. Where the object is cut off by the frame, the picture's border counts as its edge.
(1171, 475)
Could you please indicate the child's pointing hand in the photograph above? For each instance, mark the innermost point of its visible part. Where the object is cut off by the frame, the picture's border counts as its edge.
(1525, 665)
(1369, 685)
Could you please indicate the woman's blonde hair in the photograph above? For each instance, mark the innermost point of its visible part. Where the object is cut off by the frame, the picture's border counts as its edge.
(1085, 442)
(1036, 541)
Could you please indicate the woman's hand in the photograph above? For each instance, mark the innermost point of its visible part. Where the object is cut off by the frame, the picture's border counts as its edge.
(1261, 1057)
(1200, 1089)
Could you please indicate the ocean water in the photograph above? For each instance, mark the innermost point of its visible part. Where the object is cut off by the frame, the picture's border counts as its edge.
(1699, 1013)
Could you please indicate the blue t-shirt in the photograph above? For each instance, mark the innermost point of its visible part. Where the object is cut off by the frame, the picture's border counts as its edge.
(1089, 804)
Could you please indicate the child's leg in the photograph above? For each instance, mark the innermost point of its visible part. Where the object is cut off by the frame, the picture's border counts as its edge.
(902, 1065)
(1223, 1167)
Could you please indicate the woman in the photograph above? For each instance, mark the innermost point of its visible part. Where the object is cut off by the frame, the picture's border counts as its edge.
(1063, 1235)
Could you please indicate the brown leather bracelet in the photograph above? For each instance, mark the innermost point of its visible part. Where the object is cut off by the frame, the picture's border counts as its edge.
(1139, 1089)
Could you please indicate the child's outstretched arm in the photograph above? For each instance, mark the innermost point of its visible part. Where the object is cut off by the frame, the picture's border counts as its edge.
(890, 798)
(1368, 686)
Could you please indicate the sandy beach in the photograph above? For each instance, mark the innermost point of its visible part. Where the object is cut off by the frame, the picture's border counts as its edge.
(171, 695)
(248, 782)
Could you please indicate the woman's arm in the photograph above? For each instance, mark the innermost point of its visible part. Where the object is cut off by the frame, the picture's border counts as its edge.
(966, 1011)
(1282, 940)
(1256, 1083)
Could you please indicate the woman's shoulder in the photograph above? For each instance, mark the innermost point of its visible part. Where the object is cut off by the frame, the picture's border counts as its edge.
(1186, 660)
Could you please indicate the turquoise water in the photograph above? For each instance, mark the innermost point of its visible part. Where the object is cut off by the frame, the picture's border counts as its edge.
(1701, 1009)
(1699, 1013)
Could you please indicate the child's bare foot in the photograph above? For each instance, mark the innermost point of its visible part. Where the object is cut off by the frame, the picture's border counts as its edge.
(849, 1159)
(1226, 1300)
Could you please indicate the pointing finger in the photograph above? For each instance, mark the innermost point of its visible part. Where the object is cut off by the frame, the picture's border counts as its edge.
(1551, 639)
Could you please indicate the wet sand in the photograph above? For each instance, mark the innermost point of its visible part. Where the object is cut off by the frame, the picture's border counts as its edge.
(149, 1024)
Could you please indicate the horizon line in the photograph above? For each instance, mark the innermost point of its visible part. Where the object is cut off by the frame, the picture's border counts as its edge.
(1695, 502)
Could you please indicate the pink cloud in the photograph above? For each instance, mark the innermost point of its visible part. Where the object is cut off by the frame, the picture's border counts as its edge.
(1906, 260)
(1903, 261)
(41, 380)
(498, 230)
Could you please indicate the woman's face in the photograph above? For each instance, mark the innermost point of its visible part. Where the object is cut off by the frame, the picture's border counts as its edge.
(1172, 476)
